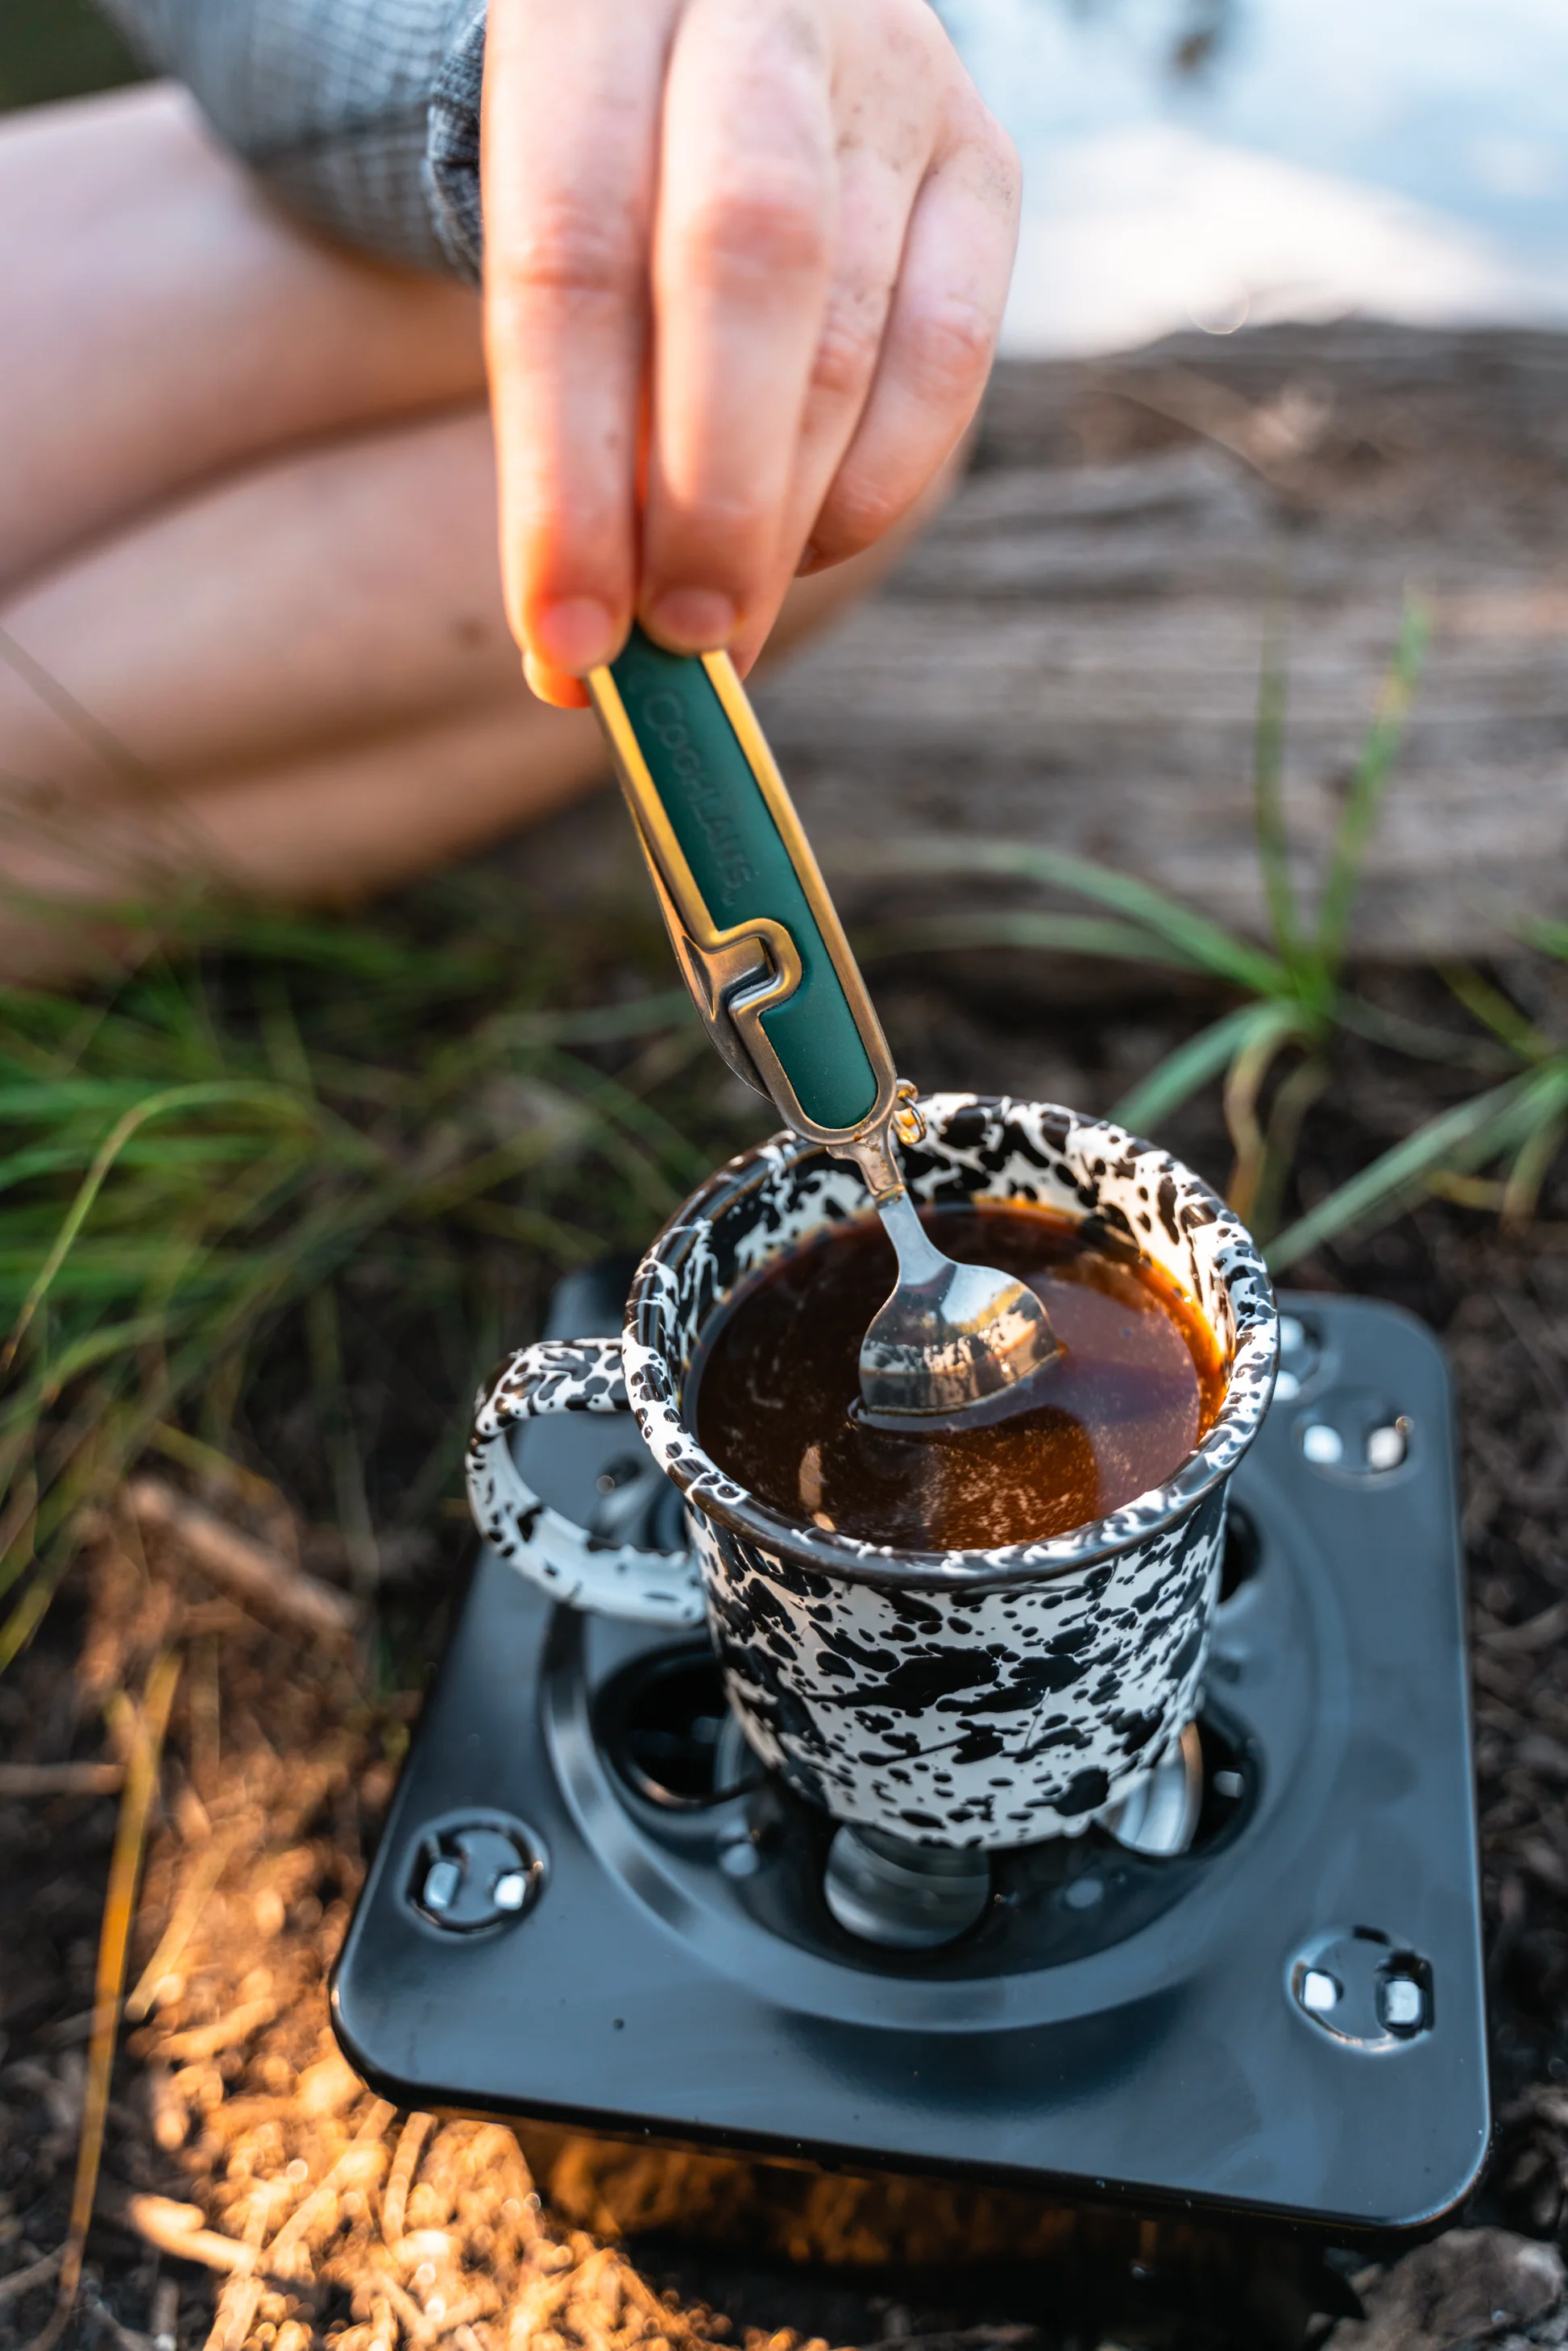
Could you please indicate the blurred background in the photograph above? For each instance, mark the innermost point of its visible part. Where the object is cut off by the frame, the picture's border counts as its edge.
(1234, 161)
(58, 48)
(1208, 163)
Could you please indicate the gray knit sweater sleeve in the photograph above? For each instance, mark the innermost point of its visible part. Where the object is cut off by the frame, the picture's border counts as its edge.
(363, 115)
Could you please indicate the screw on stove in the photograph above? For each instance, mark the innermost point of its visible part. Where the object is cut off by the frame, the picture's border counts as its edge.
(1362, 1988)
(1350, 1433)
(475, 1871)
(1355, 1436)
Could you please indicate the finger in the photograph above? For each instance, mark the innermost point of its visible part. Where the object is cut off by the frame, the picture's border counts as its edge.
(569, 150)
(939, 346)
(896, 84)
(876, 190)
(742, 253)
(559, 687)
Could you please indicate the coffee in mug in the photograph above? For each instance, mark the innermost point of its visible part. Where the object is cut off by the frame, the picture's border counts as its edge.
(775, 1392)
(981, 1695)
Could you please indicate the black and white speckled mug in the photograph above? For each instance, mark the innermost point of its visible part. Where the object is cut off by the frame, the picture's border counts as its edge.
(965, 1698)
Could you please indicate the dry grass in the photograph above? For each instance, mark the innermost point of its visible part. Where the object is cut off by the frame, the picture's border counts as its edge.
(240, 2140)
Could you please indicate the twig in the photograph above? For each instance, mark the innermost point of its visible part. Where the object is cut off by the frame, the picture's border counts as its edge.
(36, 2272)
(193, 1898)
(99, 2314)
(536, 2304)
(256, 1578)
(214, 1616)
(1536, 1633)
(176, 2229)
(411, 2142)
(125, 1867)
(241, 2295)
(372, 2126)
(60, 1778)
(204, 2041)
(203, 1705)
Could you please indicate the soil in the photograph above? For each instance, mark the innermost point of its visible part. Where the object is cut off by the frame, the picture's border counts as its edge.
(253, 2193)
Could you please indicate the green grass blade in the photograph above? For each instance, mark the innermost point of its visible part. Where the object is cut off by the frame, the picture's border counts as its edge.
(1179, 1077)
(622, 1110)
(598, 1024)
(108, 1340)
(1198, 942)
(118, 1135)
(1495, 1011)
(1525, 1178)
(1014, 927)
(1268, 806)
(1416, 1037)
(1359, 816)
(1551, 939)
(1461, 1138)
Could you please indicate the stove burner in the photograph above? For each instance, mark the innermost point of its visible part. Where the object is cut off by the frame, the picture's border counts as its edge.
(1255, 1987)
(1161, 1815)
(905, 1897)
(664, 1724)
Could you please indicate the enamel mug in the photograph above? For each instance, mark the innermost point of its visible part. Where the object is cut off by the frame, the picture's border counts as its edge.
(961, 1698)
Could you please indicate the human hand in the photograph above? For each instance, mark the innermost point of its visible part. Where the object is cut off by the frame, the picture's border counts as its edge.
(745, 263)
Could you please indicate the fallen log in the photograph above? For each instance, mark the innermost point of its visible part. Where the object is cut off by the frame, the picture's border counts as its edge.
(246, 1572)
(1072, 654)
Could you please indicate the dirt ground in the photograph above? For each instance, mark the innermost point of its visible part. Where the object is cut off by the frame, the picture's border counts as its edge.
(253, 2193)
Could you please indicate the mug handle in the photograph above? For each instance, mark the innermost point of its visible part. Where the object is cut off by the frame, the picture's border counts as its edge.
(570, 1562)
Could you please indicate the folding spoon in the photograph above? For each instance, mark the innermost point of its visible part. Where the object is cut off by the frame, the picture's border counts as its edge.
(761, 949)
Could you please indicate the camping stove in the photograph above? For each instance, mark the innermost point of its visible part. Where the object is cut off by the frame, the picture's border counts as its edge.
(1257, 1989)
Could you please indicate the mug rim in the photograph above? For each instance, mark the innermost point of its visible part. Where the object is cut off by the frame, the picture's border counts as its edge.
(655, 1394)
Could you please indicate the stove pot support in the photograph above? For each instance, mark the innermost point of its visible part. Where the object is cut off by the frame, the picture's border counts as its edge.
(980, 1697)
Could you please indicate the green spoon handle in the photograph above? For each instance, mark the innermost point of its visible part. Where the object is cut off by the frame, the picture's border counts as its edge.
(756, 934)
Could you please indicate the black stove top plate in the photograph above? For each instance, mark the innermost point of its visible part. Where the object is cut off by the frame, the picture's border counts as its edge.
(567, 1917)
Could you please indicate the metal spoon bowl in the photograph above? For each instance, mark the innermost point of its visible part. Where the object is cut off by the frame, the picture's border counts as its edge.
(950, 1337)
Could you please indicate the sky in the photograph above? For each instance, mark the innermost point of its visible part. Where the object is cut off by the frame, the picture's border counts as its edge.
(1396, 158)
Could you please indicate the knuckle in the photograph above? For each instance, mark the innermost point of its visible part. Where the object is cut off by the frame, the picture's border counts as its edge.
(857, 513)
(727, 535)
(759, 227)
(846, 355)
(565, 253)
(948, 347)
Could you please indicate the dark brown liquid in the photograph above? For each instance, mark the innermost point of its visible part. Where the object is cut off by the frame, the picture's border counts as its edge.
(1137, 1385)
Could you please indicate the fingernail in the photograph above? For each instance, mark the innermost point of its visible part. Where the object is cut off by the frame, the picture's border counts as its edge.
(693, 620)
(576, 634)
(810, 561)
(560, 693)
